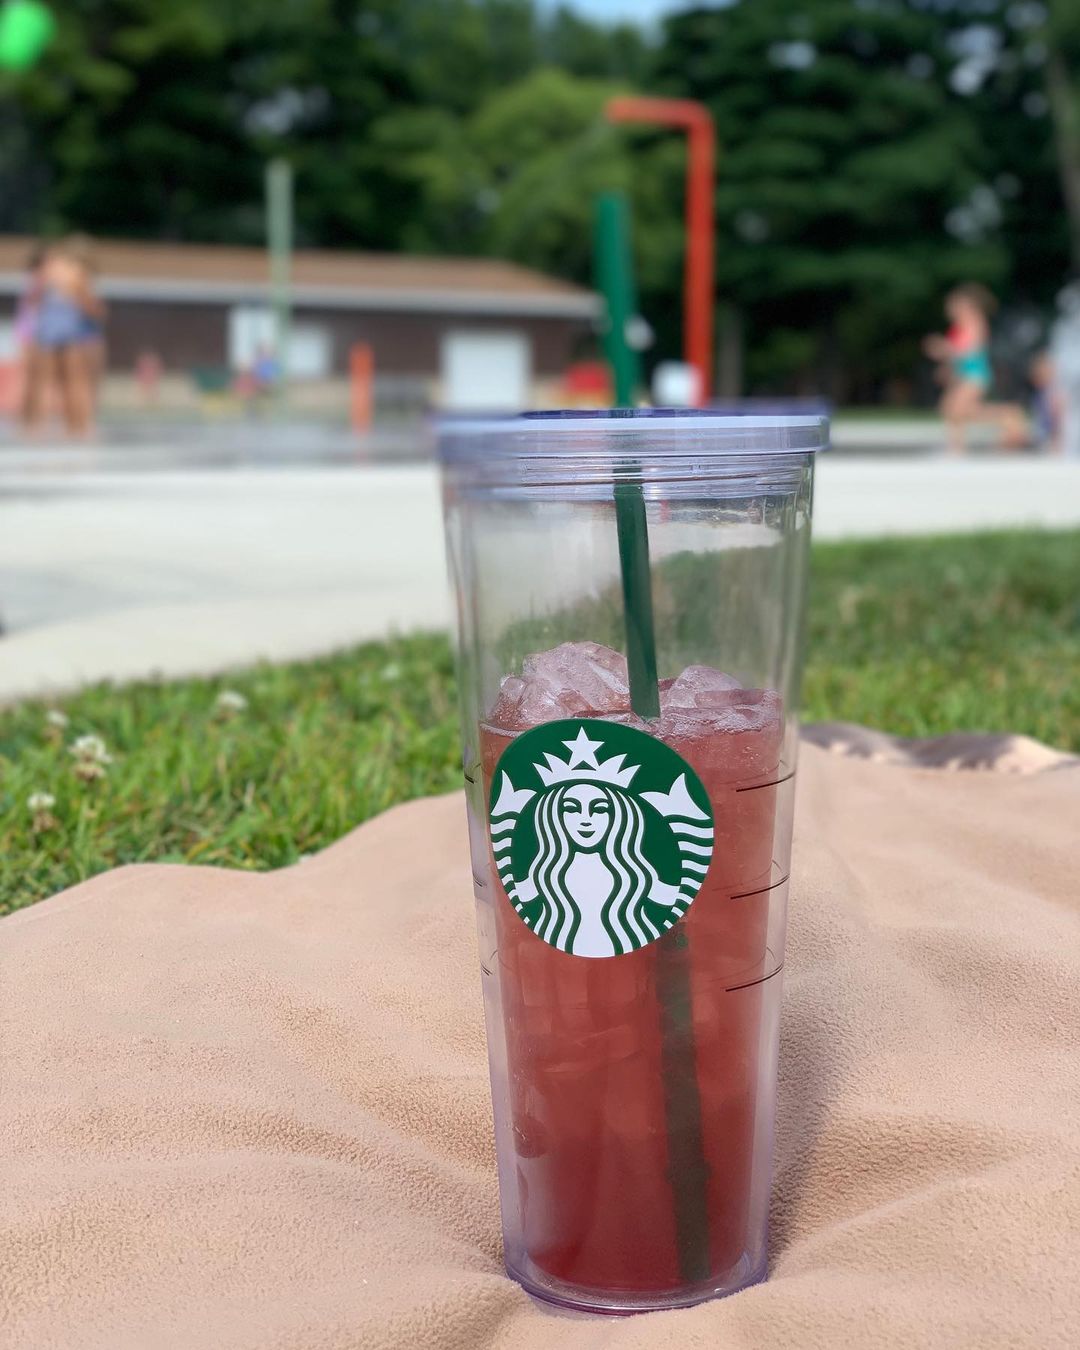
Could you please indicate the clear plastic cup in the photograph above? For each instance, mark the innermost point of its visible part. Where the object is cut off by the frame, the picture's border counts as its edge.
(631, 869)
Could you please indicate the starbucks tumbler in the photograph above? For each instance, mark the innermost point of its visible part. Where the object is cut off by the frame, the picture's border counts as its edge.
(630, 591)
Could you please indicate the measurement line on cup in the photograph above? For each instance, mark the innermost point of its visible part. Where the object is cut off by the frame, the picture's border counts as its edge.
(774, 782)
(734, 989)
(745, 895)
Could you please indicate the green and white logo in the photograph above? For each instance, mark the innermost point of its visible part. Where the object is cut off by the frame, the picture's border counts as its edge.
(602, 835)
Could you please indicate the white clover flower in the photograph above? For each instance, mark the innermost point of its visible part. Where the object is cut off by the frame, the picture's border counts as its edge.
(90, 748)
(40, 805)
(55, 718)
(391, 671)
(91, 757)
(230, 701)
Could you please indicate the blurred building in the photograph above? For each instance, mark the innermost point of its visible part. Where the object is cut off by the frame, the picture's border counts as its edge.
(455, 325)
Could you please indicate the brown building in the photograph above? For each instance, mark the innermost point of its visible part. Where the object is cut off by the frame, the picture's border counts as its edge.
(429, 319)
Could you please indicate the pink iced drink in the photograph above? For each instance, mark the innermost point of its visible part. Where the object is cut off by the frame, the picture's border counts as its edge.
(589, 1042)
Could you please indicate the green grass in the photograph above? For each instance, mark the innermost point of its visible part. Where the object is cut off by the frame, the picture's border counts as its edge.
(954, 634)
(916, 637)
(320, 746)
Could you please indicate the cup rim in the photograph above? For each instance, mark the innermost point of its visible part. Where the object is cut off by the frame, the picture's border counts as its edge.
(660, 433)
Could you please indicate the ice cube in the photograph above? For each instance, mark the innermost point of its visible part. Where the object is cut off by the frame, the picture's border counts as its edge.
(705, 702)
(748, 710)
(700, 687)
(596, 673)
(575, 679)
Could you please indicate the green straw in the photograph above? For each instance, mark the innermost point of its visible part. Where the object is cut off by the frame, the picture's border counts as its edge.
(637, 596)
(688, 1171)
(682, 1102)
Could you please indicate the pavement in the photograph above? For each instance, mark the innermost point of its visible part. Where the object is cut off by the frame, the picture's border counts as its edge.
(109, 571)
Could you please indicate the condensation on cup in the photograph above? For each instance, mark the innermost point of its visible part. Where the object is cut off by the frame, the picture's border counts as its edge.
(631, 871)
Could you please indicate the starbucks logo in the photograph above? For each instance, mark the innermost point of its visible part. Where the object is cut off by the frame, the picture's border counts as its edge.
(602, 835)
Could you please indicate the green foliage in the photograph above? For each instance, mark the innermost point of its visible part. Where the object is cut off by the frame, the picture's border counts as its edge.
(1013, 105)
(132, 112)
(919, 637)
(619, 52)
(156, 120)
(872, 152)
(843, 151)
(519, 179)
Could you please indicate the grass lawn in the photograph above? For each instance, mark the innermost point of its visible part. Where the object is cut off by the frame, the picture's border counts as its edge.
(916, 637)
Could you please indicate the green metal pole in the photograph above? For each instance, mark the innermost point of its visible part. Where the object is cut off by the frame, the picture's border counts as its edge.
(279, 235)
(615, 282)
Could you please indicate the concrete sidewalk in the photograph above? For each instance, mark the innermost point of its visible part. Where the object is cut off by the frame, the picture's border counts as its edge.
(121, 575)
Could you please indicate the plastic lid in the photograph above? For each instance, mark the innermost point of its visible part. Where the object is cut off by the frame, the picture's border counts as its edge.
(583, 445)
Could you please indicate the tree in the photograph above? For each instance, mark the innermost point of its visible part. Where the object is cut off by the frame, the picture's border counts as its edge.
(129, 115)
(461, 52)
(843, 152)
(872, 151)
(1061, 34)
(156, 119)
(619, 52)
(520, 176)
(313, 89)
(1024, 61)
(480, 140)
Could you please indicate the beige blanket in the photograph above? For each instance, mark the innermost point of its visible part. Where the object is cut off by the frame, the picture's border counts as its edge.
(251, 1112)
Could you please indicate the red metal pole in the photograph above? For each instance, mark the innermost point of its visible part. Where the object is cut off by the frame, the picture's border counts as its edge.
(693, 118)
(699, 250)
(361, 386)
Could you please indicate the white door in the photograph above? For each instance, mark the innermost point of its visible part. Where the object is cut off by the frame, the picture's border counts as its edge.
(486, 371)
(309, 352)
(253, 328)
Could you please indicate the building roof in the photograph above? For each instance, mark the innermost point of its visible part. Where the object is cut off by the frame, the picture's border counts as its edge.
(195, 273)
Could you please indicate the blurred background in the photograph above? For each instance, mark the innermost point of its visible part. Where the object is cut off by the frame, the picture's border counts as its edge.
(246, 248)
(366, 209)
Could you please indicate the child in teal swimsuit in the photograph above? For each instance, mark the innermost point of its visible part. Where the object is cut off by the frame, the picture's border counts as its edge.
(964, 354)
(973, 365)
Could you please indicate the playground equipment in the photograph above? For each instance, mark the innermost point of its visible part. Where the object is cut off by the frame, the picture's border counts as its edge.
(361, 386)
(695, 119)
(615, 282)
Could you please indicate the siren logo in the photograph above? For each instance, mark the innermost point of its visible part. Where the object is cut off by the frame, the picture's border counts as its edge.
(602, 835)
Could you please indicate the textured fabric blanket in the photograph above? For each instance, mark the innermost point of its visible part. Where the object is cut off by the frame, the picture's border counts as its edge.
(250, 1112)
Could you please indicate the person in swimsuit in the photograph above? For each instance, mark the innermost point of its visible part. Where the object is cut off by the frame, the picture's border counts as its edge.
(80, 248)
(66, 342)
(1047, 402)
(964, 355)
(31, 372)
